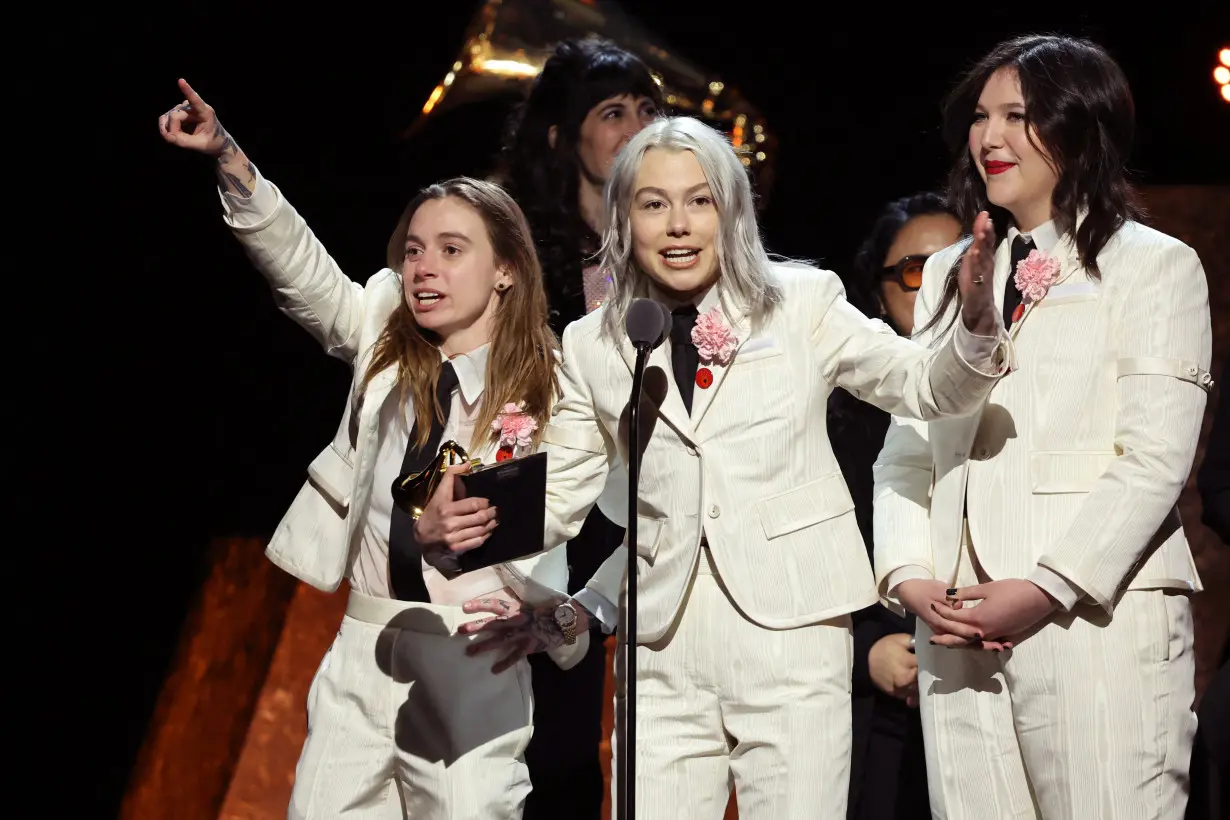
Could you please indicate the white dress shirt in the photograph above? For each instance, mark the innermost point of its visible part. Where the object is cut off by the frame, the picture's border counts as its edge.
(369, 573)
(1044, 237)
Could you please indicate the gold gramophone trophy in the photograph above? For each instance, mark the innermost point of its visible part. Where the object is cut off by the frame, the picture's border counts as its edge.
(412, 491)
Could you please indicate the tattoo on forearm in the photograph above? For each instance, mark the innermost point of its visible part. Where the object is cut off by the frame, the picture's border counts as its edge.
(235, 183)
(229, 147)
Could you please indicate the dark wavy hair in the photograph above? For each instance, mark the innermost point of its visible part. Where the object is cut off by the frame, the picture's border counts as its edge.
(863, 280)
(1078, 101)
(580, 74)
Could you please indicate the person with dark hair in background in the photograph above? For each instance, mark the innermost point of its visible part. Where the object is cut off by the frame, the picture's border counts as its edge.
(888, 779)
(1038, 539)
(589, 100)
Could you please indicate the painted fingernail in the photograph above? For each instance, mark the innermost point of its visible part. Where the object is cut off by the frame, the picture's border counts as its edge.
(950, 592)
(932, 642)
(977, 636)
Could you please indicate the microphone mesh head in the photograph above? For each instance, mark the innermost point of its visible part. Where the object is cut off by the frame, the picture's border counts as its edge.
(646, 322)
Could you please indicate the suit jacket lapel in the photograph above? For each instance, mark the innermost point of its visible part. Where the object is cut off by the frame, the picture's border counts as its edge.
(672, 409)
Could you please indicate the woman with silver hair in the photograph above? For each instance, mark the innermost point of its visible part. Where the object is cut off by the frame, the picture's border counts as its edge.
(749, 556)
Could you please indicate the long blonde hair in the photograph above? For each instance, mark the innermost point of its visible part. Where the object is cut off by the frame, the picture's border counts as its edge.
(522, 358)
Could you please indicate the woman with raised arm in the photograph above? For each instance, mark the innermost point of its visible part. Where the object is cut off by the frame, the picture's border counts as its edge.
(748, 553)
(1048, 518)
(449, 342)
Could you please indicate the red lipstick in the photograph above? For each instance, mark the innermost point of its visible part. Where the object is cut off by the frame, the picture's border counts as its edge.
(994, 166)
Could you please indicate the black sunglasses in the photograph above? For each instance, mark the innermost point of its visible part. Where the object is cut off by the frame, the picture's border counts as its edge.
(907, 272)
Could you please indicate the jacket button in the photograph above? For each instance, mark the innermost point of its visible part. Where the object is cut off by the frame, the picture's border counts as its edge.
(714, 511)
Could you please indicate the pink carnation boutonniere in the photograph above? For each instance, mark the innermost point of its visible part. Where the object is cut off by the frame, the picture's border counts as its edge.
(1035, 274)
(713, 338)
(514, 428)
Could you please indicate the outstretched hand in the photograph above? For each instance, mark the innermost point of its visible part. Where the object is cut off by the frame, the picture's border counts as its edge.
(976, 278)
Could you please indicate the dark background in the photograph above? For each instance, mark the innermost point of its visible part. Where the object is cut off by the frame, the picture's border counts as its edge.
(164, 401)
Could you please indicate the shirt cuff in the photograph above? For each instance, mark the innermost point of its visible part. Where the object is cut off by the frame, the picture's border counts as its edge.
(1055, 585)
(909, 572)
(606, 613)
(979, 352)
(249, 211)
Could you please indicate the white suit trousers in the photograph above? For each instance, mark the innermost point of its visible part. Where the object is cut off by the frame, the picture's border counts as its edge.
(1088, 718)
(402, 724)
(722, 701)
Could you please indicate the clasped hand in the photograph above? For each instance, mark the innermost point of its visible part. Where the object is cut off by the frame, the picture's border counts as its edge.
(1005, 611)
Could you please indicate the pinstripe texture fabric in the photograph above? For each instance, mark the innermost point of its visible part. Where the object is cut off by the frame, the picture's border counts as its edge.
(751, 466)
(1068, 464)
(721, 700)
(401, 723)
(1074, 463)
(1017, 735)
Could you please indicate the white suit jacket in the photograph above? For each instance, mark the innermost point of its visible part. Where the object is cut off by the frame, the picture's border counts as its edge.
(317, 538)
(751, 466)
(1076, 461)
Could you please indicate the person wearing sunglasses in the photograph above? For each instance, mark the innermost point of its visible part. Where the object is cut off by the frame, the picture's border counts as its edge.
(888, 778)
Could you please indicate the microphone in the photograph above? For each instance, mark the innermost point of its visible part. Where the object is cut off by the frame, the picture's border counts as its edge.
(647, 324)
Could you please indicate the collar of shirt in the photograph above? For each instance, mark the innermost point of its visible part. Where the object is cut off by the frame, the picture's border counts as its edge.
(471, 371)
(1044, 237)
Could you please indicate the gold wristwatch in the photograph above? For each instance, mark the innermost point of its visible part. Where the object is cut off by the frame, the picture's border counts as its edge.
(566, 620)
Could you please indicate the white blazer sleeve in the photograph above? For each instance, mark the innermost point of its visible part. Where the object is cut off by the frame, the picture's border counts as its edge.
(897, 375)
(901, 502)
(308, 286)
(578, 449)
(1164, 341)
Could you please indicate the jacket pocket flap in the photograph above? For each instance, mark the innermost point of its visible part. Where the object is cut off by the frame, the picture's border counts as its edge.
(333, 475)
(804, 506)
(648, 534)
(1054, 472)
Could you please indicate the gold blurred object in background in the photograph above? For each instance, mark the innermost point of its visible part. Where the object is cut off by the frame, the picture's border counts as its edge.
(508, 41)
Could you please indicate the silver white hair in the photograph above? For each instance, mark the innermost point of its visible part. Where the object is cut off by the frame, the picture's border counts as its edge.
(744, 267)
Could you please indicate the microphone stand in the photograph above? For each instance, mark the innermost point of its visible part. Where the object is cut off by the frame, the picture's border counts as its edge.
(625, 643)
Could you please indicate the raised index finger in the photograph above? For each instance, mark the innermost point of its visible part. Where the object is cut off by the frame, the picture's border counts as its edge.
(192, 96)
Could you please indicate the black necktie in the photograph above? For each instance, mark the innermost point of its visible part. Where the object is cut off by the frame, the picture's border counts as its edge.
(405, 555)
(1012, 296)
(684, 355)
